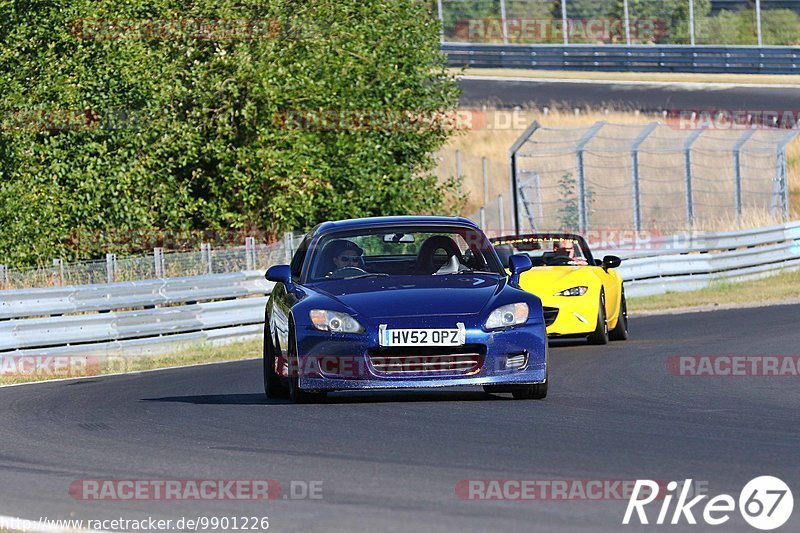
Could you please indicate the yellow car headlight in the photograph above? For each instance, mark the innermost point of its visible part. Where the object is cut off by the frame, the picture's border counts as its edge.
(573, 291)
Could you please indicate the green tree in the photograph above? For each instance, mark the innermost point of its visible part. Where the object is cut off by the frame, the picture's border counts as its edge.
(185, 133)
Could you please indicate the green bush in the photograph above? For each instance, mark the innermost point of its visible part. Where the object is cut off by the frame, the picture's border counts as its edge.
(186, 133)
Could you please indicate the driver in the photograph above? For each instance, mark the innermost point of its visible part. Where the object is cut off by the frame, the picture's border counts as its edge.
(345, 254)
(566, 248)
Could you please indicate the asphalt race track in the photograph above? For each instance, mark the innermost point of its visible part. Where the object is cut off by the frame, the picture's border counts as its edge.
(391, 461)
(627, 96)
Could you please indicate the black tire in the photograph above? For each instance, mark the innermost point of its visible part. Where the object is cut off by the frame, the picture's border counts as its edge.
(296, 394)
(532, 392)
(620, 331)
(600, 333)
(274, 387)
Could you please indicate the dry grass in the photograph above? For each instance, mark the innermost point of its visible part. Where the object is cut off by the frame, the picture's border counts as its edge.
(781, 287)
(101, 365)
(634, 76)
(506, 126)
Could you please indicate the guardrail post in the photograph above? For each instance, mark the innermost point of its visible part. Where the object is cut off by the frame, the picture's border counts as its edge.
(637, 193)
(250, 252)
(737, 171)
(58, 272)
(4, 281)
(205, 253)
(158, 261)
(111, 267)
(583, 209)
(687, 175)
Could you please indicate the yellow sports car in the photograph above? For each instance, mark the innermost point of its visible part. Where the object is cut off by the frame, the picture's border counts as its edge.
(581, 296)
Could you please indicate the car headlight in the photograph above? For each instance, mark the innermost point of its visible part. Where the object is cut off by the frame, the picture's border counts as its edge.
(574, 291)
(335, 321)
(508, 315)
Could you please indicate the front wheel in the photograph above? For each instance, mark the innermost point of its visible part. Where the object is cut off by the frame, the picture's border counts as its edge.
(620, 331)
(296, 394)
(600, 333)
(273, 386)
(531, 392)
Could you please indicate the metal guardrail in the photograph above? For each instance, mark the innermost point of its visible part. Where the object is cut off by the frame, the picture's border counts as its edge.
(682, 263)
(156, 315)
(621, 58)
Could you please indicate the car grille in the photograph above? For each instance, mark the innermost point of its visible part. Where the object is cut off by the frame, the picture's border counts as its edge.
(550, 315)
(419, 361)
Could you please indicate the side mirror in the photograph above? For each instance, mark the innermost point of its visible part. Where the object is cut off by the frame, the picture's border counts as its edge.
(280, 274)
(518, 263)
(611, 261)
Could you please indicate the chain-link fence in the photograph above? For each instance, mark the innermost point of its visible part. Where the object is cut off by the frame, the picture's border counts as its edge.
(711, 22)
(653, 177)
(160, 263)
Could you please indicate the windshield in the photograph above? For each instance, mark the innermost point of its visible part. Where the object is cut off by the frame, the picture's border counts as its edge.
(401, 251)
(545, 250)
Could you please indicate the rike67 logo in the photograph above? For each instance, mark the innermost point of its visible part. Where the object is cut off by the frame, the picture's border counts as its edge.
(765, 503)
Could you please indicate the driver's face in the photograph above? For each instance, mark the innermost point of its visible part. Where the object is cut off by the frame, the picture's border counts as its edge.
(346, 259)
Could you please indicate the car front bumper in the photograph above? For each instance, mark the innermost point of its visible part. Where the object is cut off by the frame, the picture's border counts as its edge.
(330, 362)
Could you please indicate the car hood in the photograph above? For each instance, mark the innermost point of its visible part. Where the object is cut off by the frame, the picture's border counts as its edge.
(546, 281)
(403, 296)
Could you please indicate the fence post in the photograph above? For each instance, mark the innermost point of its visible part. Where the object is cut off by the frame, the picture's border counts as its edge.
(583, 210)
(691, 23)
(111, 267)
(505, 21)
(250, 252)
(288, 246)
(737, 171)
(758, 23)
(627, 22)
(687, 175)
(483, 218)
(564, 23)
(58, 273)
(205, 253)
(4, 281)
(458, 164)
(158, 261)
(637, 193)
(485, 181)
(502, 214)
(781, 188)
(513, 152)
(441, 20)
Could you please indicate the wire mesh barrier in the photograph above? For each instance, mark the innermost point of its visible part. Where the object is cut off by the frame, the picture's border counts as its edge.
(653, 177)
(603, 22)
(159, 264)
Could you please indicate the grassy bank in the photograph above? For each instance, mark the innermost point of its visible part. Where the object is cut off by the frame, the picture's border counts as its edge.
(82, 366)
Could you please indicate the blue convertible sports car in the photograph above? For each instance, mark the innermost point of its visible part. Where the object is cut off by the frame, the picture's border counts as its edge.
(401, 302)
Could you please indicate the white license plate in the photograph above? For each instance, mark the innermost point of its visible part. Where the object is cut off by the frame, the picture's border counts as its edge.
(423, 337)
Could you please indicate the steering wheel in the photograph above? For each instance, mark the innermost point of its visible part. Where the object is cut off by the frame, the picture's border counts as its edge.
(346, 272)
(558, 260)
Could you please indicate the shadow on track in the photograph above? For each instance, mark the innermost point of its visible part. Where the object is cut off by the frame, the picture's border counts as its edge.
(338, 398)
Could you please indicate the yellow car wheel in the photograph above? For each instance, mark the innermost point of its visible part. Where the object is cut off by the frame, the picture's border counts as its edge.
(620, 331)
(600, 333)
